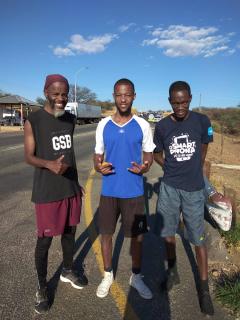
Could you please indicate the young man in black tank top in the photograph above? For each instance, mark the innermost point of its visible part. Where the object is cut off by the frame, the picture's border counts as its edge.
(48, 141)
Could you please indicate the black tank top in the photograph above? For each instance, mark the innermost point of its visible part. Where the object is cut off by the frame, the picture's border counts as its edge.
(53, 138)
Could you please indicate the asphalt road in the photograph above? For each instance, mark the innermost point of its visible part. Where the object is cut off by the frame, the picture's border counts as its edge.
(17, 244)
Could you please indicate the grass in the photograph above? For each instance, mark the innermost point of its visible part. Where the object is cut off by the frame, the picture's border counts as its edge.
(227, 291)
(232, 237)
(227, 286)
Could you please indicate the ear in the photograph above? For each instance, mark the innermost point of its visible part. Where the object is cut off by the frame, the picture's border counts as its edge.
(190, 98)
(134, 96)
(45, 94)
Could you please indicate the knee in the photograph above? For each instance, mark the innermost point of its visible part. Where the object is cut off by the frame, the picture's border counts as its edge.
(43, 244)
(70, 230)
(170, 240)
(138, 239)
(106, 239)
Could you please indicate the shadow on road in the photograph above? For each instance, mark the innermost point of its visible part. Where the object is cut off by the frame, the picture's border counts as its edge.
(153, 268)
(85, 239)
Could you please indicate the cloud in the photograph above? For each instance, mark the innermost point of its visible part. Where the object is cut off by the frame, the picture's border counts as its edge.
(78, 44)
(147, 26)
(58, 51)
(125, 27)
(179, 40)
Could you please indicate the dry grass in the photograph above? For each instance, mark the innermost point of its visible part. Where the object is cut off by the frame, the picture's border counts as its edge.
(229, 153)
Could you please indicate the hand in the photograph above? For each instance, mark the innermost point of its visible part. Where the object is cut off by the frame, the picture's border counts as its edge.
(139, 168)
(220, 200)
(104, 167)
(58, 166)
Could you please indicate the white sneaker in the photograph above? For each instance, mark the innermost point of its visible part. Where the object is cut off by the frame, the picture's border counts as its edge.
(103, 288)
(137, 283)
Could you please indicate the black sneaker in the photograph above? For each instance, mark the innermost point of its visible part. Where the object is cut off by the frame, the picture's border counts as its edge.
(171, 279)
(206, 305)
(42, 302)
(77, 281)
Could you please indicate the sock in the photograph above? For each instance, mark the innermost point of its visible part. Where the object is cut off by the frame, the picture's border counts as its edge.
(136, 270)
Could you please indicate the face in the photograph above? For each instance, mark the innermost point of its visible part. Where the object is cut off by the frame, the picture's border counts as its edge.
(124, 96)
(180, 101)
(57, 96)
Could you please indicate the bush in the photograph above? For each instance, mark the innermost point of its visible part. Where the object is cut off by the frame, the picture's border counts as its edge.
(225, 120)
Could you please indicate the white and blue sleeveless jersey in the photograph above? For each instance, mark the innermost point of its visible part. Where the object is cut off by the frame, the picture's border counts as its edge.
(121, 145)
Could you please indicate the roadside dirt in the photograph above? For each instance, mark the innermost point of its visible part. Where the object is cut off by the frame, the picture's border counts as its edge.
(225, 150)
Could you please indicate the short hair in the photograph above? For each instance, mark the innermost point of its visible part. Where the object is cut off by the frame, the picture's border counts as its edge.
(178, 86)
(124, 81)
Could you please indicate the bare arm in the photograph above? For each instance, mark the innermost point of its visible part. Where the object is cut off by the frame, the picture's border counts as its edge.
(159, 158)
(204, 152)
(57, 166)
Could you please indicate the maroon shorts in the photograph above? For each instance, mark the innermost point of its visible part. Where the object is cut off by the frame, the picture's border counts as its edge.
(53, 217)
(134, 220)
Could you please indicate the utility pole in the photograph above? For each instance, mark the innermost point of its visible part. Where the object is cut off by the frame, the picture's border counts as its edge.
(75, 85)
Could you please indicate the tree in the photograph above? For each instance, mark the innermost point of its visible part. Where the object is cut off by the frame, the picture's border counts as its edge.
(3, 94)
(41, 101)
(106, 105)
(83, 94)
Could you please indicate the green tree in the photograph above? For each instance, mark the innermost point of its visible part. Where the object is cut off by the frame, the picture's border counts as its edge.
(41, 100)
(3, 94)
(83, 94)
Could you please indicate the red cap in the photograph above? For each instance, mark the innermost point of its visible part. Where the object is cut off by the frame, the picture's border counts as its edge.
(51, 78)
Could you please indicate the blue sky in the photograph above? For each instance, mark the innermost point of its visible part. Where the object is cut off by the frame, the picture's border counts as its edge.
(151, 42)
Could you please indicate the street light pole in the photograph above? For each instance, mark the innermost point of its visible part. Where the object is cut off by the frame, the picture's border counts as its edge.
(75, 86)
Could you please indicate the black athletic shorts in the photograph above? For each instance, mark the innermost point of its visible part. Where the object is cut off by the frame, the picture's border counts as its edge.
(134, 220)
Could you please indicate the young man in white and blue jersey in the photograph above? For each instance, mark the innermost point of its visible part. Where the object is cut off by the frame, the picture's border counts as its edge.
(123, 152)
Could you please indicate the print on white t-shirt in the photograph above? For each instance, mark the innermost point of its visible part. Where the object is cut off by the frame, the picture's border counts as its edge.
(182, 148)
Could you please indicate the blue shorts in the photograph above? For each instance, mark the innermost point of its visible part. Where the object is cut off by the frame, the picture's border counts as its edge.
(171, 203)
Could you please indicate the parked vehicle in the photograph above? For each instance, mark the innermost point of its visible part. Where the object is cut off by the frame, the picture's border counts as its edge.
(84, 113)
(10, 121)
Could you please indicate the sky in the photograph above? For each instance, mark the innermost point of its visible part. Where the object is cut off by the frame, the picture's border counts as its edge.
(151, 42)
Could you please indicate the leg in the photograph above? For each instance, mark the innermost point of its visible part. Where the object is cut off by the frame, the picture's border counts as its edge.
(136, 252)
(107, 219)
(193, 214)
(168, 210)
(170, 244)
(136, 277)
(204, 295)
(41, 261)
(172, 273)
(68, 274)
(202, 262)
(68, 243)
(106, 248)
(134, 225)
